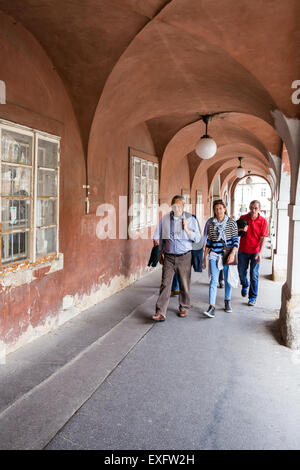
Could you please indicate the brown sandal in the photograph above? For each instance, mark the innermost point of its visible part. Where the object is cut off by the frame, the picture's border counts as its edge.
(182, 313)
(158, 317)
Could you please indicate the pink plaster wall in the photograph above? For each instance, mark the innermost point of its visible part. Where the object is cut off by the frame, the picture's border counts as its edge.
(36, 97)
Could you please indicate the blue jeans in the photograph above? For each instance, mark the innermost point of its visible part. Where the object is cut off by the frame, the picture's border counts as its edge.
(213, 286)
(244, 259)
(175, 283)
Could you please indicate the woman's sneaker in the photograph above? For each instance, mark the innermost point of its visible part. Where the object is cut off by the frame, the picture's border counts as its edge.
(227, 306)
(244, 291)
(210, 312)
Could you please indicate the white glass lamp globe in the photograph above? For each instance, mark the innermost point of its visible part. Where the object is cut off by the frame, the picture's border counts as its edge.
(240, 172)
(206, 147)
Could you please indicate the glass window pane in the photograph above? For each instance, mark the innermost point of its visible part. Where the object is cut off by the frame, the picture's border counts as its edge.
(156, 172)
(136, 186)
(144, 169)
(143, 185)
(150, 171)
(137, 167)
(143, 210)
(47, 183)
(45, 212)
(14, 247)
(149, 215)
(155, 214)
(47, 153)
(45, 241)
(15, 181)
(137, 198)
(15, 214)
(15, 147)
(135, 216)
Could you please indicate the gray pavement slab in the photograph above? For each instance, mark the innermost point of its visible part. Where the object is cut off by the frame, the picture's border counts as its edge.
(35, 362)
(196, 383)
(32, 420)
(122, 382)
(199, 383)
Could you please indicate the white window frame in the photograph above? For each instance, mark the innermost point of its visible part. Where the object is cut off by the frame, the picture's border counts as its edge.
(32, 255)
(148, 161)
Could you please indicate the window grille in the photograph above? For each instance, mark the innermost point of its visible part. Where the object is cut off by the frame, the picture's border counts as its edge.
(144, 192)
(29, 193)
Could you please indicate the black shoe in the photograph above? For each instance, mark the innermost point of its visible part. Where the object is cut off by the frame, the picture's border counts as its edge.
(210, 312)
(221, 284)
(227, 306)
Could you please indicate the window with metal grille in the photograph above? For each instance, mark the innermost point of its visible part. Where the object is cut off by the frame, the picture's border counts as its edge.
(144, 191)
(29, 193)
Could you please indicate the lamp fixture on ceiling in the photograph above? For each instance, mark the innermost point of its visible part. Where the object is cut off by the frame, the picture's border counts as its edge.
(206, 147)
(240, 172)
(249, 180)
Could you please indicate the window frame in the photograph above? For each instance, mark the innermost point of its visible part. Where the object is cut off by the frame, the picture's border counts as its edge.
(35, 134)
(152, 159)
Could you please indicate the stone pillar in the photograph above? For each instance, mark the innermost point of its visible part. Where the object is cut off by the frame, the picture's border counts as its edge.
(279, 268)
(289, 131)
(273, 223)
(290, 297)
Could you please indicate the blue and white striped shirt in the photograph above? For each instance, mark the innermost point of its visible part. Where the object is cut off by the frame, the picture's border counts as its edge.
(231, 232)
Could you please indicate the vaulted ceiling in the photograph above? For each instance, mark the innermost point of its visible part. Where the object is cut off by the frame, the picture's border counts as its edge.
(166, 62)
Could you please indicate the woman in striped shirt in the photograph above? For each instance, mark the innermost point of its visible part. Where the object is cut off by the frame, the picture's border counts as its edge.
(222, 231)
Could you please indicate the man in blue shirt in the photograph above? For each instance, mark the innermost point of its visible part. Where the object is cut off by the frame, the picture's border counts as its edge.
(175, 234)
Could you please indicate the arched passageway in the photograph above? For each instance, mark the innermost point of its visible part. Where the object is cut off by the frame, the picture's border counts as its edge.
(123, 88)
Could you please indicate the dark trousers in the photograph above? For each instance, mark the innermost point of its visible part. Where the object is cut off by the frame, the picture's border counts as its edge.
(244, 260)
(181, 265)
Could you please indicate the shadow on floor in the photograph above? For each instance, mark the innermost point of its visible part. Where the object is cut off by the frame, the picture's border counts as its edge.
(268, 277)
(273, 328)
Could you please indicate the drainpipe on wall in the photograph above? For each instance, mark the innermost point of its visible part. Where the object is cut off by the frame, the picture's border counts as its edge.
(2, 92)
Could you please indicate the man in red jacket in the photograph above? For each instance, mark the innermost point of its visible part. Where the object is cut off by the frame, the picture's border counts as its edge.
(251, 246)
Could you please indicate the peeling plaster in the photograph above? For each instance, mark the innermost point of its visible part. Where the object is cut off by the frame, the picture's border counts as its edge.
(25, 273)
(71, 306)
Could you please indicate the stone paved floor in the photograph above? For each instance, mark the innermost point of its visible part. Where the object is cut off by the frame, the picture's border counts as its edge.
(198, 383)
